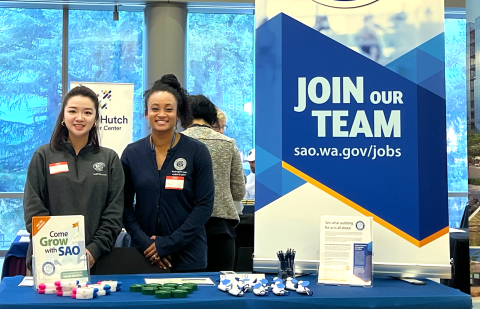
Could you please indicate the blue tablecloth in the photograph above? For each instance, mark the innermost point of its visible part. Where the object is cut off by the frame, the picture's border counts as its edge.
(14, 257)
(17, 248)
(386, 293)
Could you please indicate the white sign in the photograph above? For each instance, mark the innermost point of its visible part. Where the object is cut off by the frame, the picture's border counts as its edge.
(198, 281)
(115, 122)
(250, 276)
(58, 249)
(345, 250)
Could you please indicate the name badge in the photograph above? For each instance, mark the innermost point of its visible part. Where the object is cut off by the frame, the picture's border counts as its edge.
(59, 167)
(174, 182)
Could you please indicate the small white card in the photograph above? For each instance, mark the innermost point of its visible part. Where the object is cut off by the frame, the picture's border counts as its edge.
(27, 281)
(24, 239)
(453, 230)
(23, 233)
(199, 281)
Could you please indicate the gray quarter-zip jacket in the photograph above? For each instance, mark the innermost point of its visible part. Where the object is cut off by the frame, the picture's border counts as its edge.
(92, 187)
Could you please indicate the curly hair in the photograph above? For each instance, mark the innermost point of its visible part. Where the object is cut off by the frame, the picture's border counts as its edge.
(170, 83)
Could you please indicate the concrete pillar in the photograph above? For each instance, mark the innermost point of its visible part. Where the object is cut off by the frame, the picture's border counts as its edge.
(166, 44)
(166, 41)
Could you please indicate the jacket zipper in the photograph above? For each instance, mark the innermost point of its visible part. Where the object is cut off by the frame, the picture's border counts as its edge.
(76, 165)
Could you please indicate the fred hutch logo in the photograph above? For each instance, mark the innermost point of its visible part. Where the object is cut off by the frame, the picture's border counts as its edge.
(345, 4)
(104, 97)
(108, 121)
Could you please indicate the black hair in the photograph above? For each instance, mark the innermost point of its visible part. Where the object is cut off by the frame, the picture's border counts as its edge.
(60, 132)
(170, 84)
(203, 108)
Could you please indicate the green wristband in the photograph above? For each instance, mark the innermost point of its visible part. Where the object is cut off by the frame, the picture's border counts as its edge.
(163, 294)
(179, 293)
(148, 290)
(136, 288)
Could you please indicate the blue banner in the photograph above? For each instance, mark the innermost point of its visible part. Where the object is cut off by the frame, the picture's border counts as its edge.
(344, 130)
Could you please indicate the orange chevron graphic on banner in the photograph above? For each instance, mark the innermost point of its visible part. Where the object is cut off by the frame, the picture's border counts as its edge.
(363, 211)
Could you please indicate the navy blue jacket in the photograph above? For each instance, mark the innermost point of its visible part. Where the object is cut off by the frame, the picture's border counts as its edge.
(182, 213)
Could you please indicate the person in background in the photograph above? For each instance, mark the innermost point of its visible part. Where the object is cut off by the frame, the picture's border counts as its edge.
(250, 185)
(229, 183)
(170, 177)
(367, 39)
(88, 179)
(220, 126)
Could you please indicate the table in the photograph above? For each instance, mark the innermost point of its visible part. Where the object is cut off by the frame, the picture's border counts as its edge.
(248, 209)
(386, 293)
(14, 263)
(459, 251)
(244, 243)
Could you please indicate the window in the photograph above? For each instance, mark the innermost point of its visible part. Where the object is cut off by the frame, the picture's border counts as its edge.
(103, 50)
(30, 96)
(11, 220)
(455, 79)
(100, 50)
(220, 66)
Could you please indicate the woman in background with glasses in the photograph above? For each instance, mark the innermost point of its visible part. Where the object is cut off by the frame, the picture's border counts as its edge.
(229, 183)
(221, 125)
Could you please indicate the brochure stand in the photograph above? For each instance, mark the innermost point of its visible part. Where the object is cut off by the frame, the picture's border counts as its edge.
(346, 250)
(59, 249)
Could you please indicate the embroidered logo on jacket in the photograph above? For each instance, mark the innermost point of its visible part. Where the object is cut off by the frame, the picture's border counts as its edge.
(180, 164)
(99, 166)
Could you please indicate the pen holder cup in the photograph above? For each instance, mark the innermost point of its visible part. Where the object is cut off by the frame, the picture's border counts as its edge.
(285, 270)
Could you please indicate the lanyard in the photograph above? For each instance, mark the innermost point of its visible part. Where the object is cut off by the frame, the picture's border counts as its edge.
(152, 145)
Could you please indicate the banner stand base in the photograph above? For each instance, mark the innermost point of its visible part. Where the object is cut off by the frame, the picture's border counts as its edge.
(400, 270)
